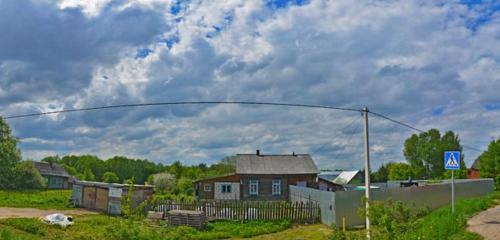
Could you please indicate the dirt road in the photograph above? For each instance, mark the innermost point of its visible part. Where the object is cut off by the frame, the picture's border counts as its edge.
(486, 223)
(6, 212)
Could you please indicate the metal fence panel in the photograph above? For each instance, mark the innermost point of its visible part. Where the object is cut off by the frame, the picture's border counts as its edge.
(326, 201)
(432, 196)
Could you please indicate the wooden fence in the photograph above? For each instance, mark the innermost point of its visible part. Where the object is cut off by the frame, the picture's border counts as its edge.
(297, 212)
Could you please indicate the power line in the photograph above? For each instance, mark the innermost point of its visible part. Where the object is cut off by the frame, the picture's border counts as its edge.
(414, 128)
(182, 103)
(344, 128)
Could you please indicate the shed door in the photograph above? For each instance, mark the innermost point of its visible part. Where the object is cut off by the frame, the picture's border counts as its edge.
(89, 197)
(101, 202)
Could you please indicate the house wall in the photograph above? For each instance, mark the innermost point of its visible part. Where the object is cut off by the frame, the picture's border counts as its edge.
(233, 195)
(265, 185)
(56, 182)
(200, 186)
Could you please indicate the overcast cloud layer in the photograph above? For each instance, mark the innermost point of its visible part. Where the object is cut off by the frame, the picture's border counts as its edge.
(433, 64)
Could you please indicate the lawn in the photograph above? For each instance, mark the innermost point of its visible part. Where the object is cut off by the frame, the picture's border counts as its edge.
(90, 227)
(51, 199)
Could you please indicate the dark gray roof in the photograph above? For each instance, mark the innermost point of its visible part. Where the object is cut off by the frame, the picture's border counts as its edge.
(475, 165)
(275, 164)
(46, 169)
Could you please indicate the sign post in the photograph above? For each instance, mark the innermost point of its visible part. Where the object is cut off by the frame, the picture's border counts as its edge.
(452, 162)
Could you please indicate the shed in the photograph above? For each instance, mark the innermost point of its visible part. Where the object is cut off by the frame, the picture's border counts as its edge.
(107, 197)
(55, 174)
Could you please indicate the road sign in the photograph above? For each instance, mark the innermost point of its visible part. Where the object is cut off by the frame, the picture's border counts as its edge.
(452, 160)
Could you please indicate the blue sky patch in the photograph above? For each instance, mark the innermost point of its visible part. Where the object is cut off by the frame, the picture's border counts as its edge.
(484, 12)
(143, 53)
(285, 3)
(438, 111)
(492, 106)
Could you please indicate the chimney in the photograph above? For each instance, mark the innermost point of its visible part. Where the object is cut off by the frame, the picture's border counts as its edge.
(258, 152)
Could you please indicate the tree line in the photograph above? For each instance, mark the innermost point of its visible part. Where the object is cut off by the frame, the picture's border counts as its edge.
(424, 155)
(16, 173)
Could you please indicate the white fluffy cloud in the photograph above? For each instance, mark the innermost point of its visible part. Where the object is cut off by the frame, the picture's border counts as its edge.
(432, 64)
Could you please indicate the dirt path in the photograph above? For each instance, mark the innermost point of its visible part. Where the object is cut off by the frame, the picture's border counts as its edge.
(486, 224)
(6, 212)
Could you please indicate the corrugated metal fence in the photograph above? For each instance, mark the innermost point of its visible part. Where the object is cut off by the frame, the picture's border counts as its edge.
(298, 212)
(341, 204)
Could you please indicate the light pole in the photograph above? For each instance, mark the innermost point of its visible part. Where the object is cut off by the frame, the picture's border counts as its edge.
(367, 173)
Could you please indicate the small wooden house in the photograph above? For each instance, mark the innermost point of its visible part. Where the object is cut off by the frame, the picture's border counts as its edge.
(55, 174)
(261, 177)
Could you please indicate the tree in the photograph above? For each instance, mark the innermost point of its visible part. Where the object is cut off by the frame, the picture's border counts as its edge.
(110, 177)
(381, 175)
(88, 175)
(398, 171)
(425, 152)
(163, 182)
(10, 155)
(489, 162)
(28, 177)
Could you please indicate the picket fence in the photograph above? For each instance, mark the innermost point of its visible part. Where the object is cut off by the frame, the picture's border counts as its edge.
(298, 212)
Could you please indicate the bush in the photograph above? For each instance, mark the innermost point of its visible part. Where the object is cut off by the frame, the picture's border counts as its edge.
(28, 177)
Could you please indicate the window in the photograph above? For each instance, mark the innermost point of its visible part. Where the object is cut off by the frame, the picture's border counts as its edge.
(253, 187)
(276, 187)
(207, 187)
(226, 188)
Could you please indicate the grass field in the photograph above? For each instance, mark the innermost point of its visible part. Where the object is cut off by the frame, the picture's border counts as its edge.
(51, 199)
(90, 227)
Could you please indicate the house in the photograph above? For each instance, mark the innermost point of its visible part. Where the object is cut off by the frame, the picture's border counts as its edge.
(325, 184)
(473, 171)
(261, 177)
(349, 178)
(55, 174)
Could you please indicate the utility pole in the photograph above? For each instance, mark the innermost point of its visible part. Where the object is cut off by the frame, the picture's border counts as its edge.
(367, 172)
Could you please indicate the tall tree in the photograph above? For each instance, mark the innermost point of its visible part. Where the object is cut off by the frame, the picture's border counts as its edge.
(425, 152)
(489, 162)
(10, 155)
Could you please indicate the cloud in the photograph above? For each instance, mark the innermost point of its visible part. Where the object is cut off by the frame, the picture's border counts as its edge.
(429, 64)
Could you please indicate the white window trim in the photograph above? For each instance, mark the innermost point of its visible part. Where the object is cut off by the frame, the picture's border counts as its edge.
(207, 187)
(253, 183)
(276, 183)
(226, 186)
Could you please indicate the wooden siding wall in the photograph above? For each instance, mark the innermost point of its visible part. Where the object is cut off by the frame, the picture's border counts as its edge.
(265, 185)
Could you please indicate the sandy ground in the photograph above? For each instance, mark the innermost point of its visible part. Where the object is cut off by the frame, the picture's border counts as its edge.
(486, 223)
(35, 213)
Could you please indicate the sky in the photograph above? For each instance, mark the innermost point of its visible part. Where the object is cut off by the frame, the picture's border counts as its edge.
(431, 64)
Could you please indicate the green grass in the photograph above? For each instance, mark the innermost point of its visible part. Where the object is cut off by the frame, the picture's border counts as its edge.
(90, 227)
(51, 199)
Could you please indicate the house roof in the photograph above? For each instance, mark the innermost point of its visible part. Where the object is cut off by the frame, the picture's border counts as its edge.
(475, 165)
(345, 177)
(329, 175)
(47, 169)
(275, 164)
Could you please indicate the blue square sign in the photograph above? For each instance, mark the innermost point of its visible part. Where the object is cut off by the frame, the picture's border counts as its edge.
(452, 160)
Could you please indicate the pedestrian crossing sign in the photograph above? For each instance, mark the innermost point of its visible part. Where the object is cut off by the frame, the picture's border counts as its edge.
(452, 160)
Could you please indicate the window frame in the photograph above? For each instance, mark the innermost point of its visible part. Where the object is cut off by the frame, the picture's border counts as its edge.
(253, 187)
(226, 188)
(276, 183)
